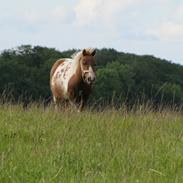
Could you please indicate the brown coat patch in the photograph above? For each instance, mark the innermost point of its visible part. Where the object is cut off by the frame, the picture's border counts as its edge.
(74, 81)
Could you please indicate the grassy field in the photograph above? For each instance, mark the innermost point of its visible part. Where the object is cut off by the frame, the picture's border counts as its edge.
(42, 145)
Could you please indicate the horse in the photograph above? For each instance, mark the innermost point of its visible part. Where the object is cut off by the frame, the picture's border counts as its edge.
(71, 79)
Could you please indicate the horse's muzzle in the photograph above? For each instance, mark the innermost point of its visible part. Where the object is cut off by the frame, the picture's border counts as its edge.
(90, 79)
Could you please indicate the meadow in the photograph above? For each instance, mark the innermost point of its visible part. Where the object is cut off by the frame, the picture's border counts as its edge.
(43, 145)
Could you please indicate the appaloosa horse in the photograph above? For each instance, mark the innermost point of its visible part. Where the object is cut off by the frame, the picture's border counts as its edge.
(71, 78)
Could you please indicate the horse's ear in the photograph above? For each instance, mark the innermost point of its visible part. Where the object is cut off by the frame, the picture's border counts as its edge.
(93, 52)
(84, 52)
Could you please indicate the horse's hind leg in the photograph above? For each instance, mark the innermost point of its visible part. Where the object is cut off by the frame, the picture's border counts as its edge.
(66, 106)
(56, 102)
(61, 104)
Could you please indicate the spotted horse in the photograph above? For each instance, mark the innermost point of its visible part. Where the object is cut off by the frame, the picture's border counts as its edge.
(71, 79)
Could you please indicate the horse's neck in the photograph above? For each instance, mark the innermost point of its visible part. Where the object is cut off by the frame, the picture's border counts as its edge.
(75, 65)
(76, 68)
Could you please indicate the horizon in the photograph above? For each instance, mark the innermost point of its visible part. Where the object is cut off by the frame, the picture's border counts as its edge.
(119, 51)
(131, 26)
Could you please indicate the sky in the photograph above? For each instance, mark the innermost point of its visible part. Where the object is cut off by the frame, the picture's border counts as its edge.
(143, 27)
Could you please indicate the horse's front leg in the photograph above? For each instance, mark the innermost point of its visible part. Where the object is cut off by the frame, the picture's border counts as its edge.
(83, 101)
(81, 105)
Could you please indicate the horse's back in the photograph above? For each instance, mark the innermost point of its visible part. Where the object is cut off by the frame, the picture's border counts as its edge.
(55, 66)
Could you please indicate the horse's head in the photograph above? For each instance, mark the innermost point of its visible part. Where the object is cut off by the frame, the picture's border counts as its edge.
(87, 63)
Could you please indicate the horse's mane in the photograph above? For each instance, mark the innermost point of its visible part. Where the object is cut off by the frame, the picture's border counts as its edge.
(78, 54)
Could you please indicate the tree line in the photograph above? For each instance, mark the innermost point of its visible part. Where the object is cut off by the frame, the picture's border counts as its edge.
(121, 77)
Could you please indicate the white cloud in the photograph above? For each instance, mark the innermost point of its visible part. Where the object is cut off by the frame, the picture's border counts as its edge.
(86, 11)
(170, 29)
(57, 14)
(179, 15)
(62, 14)
(101, 11)
(169, 32)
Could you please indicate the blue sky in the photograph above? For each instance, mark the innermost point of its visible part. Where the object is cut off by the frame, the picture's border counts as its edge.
(134, 26)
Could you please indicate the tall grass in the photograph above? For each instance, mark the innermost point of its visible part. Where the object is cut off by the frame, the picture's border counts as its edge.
(43, 145)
